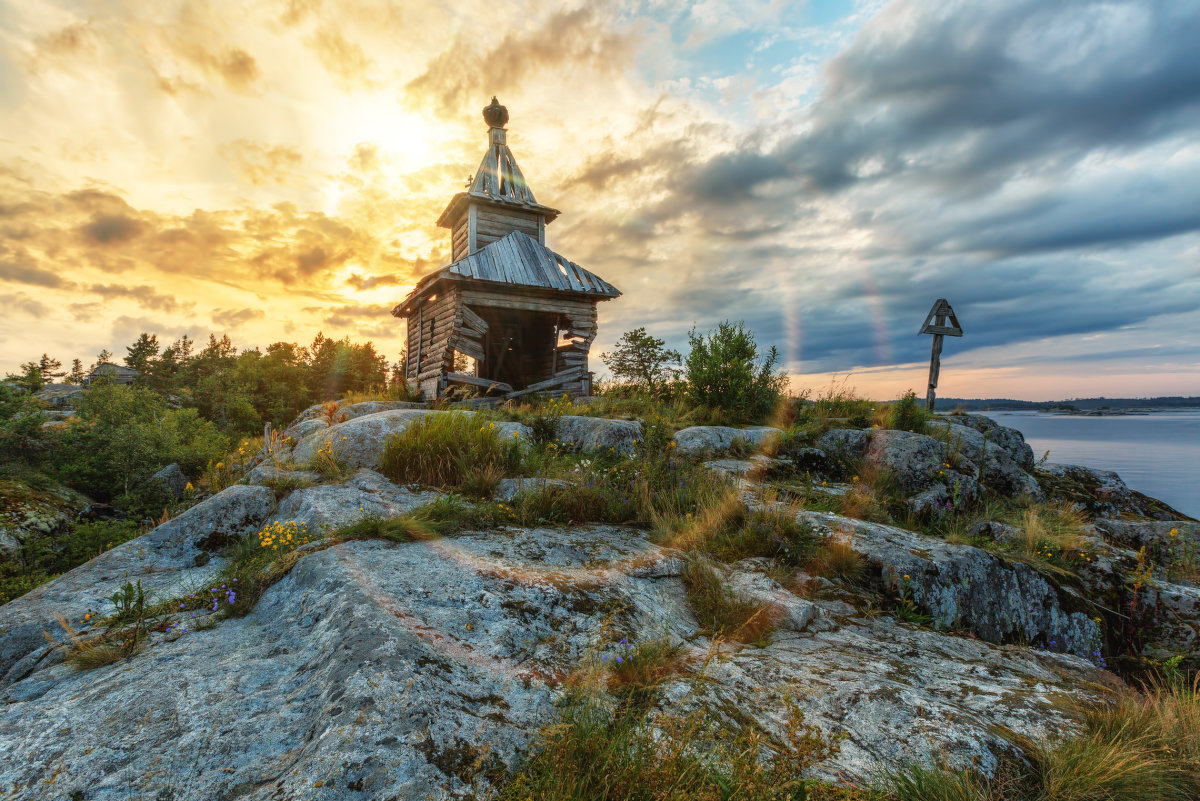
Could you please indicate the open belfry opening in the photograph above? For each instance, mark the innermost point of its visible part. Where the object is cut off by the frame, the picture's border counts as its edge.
(508, 316)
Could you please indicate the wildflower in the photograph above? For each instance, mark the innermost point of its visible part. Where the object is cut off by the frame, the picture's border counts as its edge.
(906, 577)
(1174, 533)
(189, 487)
(220, 465)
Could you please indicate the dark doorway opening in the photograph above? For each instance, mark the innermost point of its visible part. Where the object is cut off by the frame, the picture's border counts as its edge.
(519, 347)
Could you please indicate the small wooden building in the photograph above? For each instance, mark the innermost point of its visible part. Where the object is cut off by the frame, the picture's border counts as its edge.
(114, 373)
(519, 316)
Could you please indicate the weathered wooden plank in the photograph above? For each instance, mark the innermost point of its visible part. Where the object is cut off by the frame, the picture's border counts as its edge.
(473, 320)
(475, 381)
(561, 378)
(944, 330)
(470, 349)
(497, 216)
(476, 297)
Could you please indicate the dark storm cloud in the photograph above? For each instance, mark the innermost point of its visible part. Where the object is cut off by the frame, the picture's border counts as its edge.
(1039, 85)
(1033, 162)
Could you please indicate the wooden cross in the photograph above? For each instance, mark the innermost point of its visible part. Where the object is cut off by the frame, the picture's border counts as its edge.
(935, 323)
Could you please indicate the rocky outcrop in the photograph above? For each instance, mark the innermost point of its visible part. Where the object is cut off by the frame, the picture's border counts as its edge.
(325, 508)
(918, 465)
(1101, 493)
(1010, 439)
(715, 440)
(172, 480)
(268, 475)
(992, 464)
(28, 511)
(420, 664)
(349, 411)
(359, 442)
(598, 434)
(181, 553)
(966, 588)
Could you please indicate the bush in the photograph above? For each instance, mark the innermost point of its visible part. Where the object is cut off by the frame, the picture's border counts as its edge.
(724, 371)
(907, 414)
(443, 450)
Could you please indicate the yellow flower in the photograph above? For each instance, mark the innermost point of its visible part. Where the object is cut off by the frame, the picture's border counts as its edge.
(855, 479)
(516, 435)
(189, 487)
(906, 577)
(220, 465)
(1174, 532)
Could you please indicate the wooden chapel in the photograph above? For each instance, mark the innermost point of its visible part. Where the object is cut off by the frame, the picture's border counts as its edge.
(521, 314)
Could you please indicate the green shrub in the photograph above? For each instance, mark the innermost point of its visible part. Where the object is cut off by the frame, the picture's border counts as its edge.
(725, 371)
(442, 450)
(907, 414)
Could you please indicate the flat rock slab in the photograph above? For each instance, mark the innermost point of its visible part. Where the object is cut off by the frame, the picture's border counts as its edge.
(599, 434)
(712, 440)
(328, 507)
(176, 557)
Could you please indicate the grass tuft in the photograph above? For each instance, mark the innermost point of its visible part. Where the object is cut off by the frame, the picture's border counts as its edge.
(444, 450)
(722, 611)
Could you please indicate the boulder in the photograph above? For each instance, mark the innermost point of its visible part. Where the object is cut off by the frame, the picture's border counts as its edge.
(1010, 439)
(1101, 493)
(510, 488)
(381, 670)
(712, 440)
(349, 411)
(332, 506)
(845, 444)
(174, 556)
(598, 434)
(917, 463)
(964, 587)
(993, 465)
(268, 475)
(303, 428)
(359, 442)
(172, 480)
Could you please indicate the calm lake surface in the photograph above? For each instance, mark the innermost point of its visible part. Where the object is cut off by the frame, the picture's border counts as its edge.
(1157, 454)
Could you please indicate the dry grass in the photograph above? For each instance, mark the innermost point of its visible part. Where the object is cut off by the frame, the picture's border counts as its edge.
(88, 653)
(837, 559)
(639, 670)
(722, 611)
(600, 751)
(1139, 747)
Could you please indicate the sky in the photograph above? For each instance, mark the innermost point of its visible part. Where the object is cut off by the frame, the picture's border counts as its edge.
(821, 170)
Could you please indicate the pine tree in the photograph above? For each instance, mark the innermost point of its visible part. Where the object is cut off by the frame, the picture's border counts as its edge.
(50, 369)
(141, 354)
(76, 376)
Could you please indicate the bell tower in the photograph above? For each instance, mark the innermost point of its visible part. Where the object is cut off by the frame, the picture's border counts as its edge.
(499, 201)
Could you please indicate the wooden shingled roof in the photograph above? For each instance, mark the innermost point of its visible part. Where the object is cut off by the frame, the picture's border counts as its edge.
(517, 260)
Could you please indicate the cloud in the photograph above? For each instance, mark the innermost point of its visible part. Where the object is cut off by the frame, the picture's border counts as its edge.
(463, 73)
(146, 296)
(19, 267)
(235, 318)
(355, 314)
(342, 58)
(262, 164)
(25, 304)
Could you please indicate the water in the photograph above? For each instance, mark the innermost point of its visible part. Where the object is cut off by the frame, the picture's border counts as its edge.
(1157, 454)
